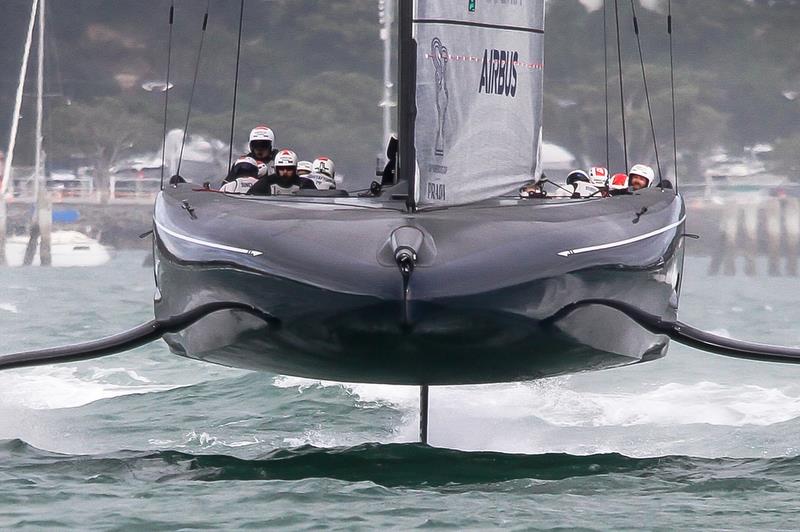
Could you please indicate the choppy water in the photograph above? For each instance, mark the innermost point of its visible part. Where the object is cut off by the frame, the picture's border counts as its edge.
(150, 441)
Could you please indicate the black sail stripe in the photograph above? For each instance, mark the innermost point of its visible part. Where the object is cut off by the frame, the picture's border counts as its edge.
(477, 25)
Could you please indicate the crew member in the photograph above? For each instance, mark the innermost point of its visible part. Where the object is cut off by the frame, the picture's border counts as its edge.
(583, 185)
(618, 184)
(261, 140)
(577, 175)
(641, 176)
(245, 175)
(325, 166)
(321, 181)
(598, 176)
(304, 168)
(285, 179)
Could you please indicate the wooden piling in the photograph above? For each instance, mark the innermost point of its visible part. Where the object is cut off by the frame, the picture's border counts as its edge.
(45, 215)
(33, 244)
(750, 218)
(729, 227)
(791, 220)
(773, 226)
(3, 216)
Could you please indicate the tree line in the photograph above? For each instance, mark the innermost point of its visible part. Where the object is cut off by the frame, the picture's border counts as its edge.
(312, 70)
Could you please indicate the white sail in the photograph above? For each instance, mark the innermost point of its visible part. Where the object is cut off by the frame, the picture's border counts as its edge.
(479, 77)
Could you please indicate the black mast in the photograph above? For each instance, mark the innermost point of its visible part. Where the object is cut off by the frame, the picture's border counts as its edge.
(407, 108)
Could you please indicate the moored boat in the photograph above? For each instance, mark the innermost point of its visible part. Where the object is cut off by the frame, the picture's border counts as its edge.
(68, 248)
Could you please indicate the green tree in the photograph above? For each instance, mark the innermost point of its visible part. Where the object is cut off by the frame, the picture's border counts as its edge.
(105, 132)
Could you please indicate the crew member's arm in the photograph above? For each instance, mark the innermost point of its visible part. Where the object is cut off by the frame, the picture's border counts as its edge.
(262, 187)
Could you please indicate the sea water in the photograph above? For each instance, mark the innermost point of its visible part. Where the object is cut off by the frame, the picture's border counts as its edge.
(147, 440)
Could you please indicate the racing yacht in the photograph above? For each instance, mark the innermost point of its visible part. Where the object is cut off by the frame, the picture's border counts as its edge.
(447, 277)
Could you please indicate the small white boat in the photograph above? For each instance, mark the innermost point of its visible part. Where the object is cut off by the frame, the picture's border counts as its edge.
(67, 248)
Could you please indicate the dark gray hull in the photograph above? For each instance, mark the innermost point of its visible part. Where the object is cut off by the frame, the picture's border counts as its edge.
(489, 279)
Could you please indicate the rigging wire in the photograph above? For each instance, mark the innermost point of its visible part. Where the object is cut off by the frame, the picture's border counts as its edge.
(605, 65)
(621, 86)
(672, 87)
(646, 89)
(194, 84)
(236, 83)
(166, 92)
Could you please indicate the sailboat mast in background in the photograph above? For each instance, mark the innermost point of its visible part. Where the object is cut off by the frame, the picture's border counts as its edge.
(42, 222)
(43, 216)
(7, 177)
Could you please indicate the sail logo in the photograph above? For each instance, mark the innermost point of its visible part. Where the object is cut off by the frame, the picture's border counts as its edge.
(440, 57)
(436, 191)
(499, 73)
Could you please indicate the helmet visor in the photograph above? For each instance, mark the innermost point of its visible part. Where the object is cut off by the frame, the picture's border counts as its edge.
(261, 145)
(245, 170)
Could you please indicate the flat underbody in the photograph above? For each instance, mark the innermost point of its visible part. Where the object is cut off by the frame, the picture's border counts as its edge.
(481, 306)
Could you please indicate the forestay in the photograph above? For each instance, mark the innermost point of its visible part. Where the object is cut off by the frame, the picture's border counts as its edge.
(479, 98)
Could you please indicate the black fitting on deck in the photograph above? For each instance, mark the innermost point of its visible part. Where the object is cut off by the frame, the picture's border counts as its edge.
(406, 258)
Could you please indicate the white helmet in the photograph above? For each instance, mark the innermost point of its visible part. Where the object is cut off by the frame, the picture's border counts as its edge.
(324, 165)
(577, 175)
(306, 167)
(644, 171)
(245, 167)
(286, 158)
(262, 133)
(598, 176)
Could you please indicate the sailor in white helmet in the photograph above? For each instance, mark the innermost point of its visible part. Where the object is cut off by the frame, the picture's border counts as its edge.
(641, 176)
(323, 174)
(262, 138)
(618, 185)
(598, 176)
(304, 168)
(285, 179)
(260, 143)
(324, 165)
(245, 175)
(582, 185)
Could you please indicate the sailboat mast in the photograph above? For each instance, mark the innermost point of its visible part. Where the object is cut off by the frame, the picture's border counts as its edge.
(407, 112)
(43, 216)
(39, 174)
(6, 176)
(23, 71)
